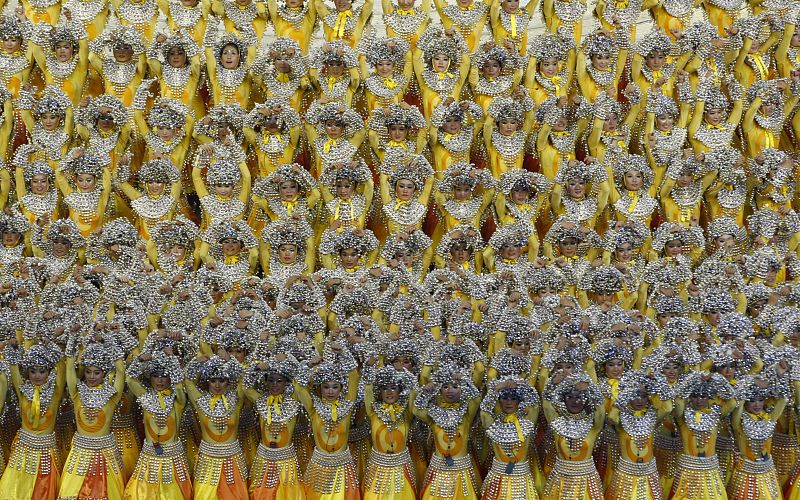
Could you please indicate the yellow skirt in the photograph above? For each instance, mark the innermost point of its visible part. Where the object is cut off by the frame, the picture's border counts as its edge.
(698, 479)
(509, 481)
(666, 450)
(93, 469)
(163, 476)
(220, 472)
(127, 440)
(754, 481)
(792, 491)
(785, 454)
(32, 471)
(275, 474)
(726, 454)
(331, 476)
(573, 481)
(634, 480)
(360, 447)
(390, 476)
(457, 480)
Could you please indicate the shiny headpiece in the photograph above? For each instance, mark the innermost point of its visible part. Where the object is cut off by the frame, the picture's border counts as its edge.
(237, 230)
(167, 113)
(41, 355)
(182, 41)
(510, 235)
(460, 173)
(67, 229)
(409, 117)
(434, 41)
(179, 231)
(318, 114)
(229, 38)
(551, 46)
(216, 367)
(633, 163)
(592, 396)
(286, 118)
(387, 49)
(735, 325)
(508, 60)
(507, 109)
(606, 280)
(87, 163)
(358, 172)
(634, 381)
(416, 169)
(160, 170)
(669, 231)
(635, 233)
(695, 384)
(101, 355)
(599, 43)
(654, 41)
(224, 172)
(452, 374)
(287, 232)
(270, 185)
(661, 104)
(718, 301)
(165, 365)
(54, 101)
(519, 178)
(389, 376)
(339, 51)
(607, 349)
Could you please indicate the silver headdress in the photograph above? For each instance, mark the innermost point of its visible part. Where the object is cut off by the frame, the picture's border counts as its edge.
(752, 387)
(606, 280)
(460, 173)
(679, 328)
(64, 228)
(285, 119)
(224, 172)
(453, 111)
(41, 355)
(14, 222)
(36, 167)
(334, 242)
(11, 28)
(119, 232)
(607, 349)
(415, 243)
(182, 41)
(231, 39)
(237, 230)
(339, 52)
(120, 35)
(287, 232)
(282, 48)
(230, 115)
(54, 101)
(634, 381)
(318, 114)
(551, 46)
(389, 376)
(213, 368)
(358, 172)
(167, 113)
(101, 355)
(416, 169)
(410, 117)
(599, 43)
(718, 301)
(634, 233)
(160, 364)
(160, 170)
(88, 116)
(523, 392)
(87, 163)
(268, 187)
(592, 397)
(434, 41)
(387, 49)
(669, 231)
(447, 374)
(508, 60)
(179, 231)
(460, 234)
(510, 235)
(521, 179)
(726, 225)
(654, 41)
(633, 163)
(712, 96)
(735, 325)
(507, 109)
(545, 277)
(660, 104)
(696, 384)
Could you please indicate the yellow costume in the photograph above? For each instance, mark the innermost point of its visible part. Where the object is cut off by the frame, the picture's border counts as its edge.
(296, 23)
(469, 20)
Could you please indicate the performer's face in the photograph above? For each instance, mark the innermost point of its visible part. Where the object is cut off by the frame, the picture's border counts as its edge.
(38, 375)
(40, 184)
(63, 51)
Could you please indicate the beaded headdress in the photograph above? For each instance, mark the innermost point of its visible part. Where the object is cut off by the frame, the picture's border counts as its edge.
(460, 173)
(523, 392)
(229, 38)
(654, 41)
(387, 49)
(660, 104)
(11, 28)
(67, 229)
(633, 163)
(447, 374)
(389, 376)
(87, 163)
(167, 113)
(726, 225)
(416, 169)
(545, 277)
(329, 372)
(282, 48)
(599, 43)
(633, 381)
(508, 60)
(88, 116)
(179, 231)
(752, 387)
(606, 280)
(339, 51)
(286, 368)
(334, 242)
(679, 327)
(558, 232)
(410, 117)
(237, 230)
(120, 35)
(460, 234)
(119, 232)
(772, 166)
(164, 365)
(160, 170)
(286, 118)
(718, 301)
(521, 179)
(358, 172)
(607, 349)
(54, 101)
(41, 355)
(229, 114)
(435, 41)
(14, 222)
(443, 111)
(736, 325)
(700, 33)
(287, 232)
(414, 243)
(224, 172)
(268, 187)
(510, 235)
(318, 114)
(101, 355)
(712, 96)
(216, 367)
(551, 46)
(406, 348)
(695, 384)
(182, 41)
(592, 397)
(635, 233)
(505, 108)
(34, 168)
(669, 231)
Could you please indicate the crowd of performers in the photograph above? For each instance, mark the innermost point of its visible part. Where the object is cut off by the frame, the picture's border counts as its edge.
(457, 261)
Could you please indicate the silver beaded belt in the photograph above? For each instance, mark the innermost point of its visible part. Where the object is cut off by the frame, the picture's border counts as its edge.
(698, 463)
(575, 468)
(94, 443)
(725, 443)
(165, 449)
(459, 463)
(37, 441)
(276, 454)
(758, 466)
(390, 459)
(220, 450)
(510, 468)
(335, 459)
(668, 442)
(637, 468)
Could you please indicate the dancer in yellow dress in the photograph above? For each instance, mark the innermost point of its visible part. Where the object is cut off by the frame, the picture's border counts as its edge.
(701, 400)
(158, 200)
(38, 379)
(275, 474)
(88, 200)
(390, 472)
(468, 17)
(441, 65)
(220, 471)
(448, 404)
(119, 58)
(293, 19)
(509, 413)
(93, 468)
(64, 61)
(330, 402)
(161, 470)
